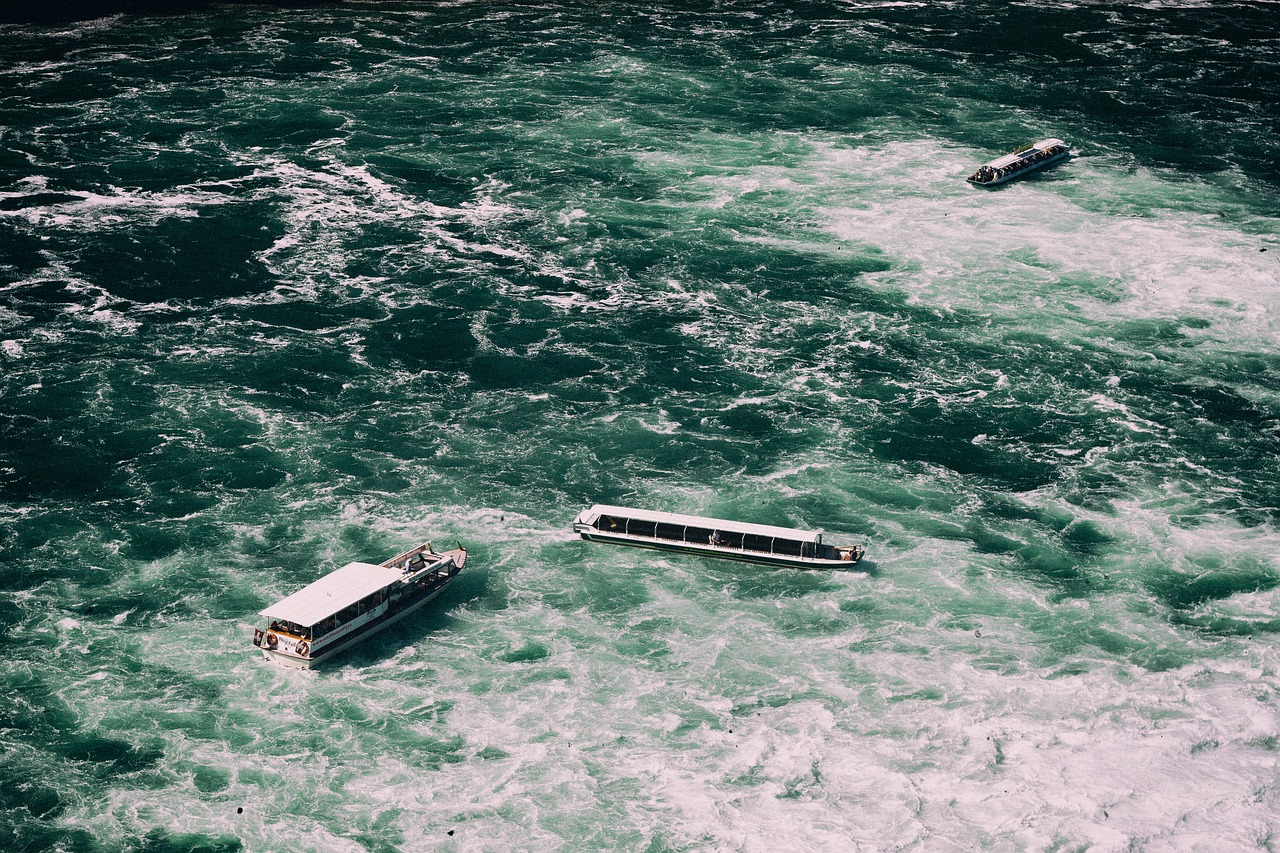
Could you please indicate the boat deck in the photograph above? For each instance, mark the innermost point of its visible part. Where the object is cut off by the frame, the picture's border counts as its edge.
(1021, 161)
(712, 537)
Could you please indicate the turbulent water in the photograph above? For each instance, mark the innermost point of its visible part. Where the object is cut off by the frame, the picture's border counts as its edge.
(282, 288)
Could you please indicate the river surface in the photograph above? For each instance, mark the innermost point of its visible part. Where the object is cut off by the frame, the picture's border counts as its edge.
(282, 288)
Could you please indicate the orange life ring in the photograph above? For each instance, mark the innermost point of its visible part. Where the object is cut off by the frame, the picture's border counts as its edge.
(302, 648)
(272, 639)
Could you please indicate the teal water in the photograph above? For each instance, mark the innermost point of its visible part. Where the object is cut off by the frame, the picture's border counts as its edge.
(282, 288)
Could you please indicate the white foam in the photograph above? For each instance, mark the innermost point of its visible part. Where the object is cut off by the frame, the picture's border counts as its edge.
(954, 245)
(747, 731)
(323, 207)
(94, 211)
(564, 694)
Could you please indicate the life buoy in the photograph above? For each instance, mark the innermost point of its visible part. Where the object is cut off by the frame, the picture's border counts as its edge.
(272, 639)
(302, 648)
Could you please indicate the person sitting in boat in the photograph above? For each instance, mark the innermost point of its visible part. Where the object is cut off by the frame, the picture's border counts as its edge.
(716, 538)
(415, 562)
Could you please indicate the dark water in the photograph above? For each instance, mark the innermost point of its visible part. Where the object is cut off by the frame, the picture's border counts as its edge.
(284, 287)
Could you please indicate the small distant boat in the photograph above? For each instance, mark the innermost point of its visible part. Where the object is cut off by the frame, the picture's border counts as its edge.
(1021, 161)
(353, 603)
(713, 537)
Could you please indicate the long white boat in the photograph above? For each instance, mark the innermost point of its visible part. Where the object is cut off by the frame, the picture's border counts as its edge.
(1021, 161)
(713, 537)
(353, 603)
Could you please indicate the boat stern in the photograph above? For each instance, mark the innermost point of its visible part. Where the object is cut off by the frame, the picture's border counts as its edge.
(585, 522)
(283, 648)
(459, 557)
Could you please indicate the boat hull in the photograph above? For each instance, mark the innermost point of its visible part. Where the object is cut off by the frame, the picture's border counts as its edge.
(1020, 163)
(1021, 172)
(758, 558)
(362, 633)
(401, 597)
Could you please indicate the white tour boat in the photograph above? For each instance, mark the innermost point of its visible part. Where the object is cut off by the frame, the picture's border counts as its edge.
(1025, 159)
(713, 537)
(353, 603)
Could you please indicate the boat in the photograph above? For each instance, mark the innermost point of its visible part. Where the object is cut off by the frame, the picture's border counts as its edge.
(713, 537)
(353, 603)
(1021, 161)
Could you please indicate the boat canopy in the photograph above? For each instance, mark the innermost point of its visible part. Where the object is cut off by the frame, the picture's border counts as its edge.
(332, 593)
(1024, 152)
(622, 512)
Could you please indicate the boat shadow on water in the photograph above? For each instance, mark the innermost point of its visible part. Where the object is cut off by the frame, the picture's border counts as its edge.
(755, 582)
(403, 637)
(412, 634)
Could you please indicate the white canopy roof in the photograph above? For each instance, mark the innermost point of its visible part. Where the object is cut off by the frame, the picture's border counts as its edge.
(333, 592)
(1001, 162)
(699, 521)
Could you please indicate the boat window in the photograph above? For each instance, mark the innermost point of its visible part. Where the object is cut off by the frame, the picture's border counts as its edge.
(729, 539)
(790, 547)
(641, 528)
(698, 535)
(755, 542)
(674, 532)
(608, 522)
(323, 627)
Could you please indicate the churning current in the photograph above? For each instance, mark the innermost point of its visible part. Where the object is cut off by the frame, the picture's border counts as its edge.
(283, 288)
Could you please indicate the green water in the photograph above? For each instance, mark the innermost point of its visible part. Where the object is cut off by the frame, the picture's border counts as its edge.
(282, 288)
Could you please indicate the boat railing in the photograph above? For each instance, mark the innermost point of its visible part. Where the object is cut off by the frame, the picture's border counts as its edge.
(400, 559)
(289, 630)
